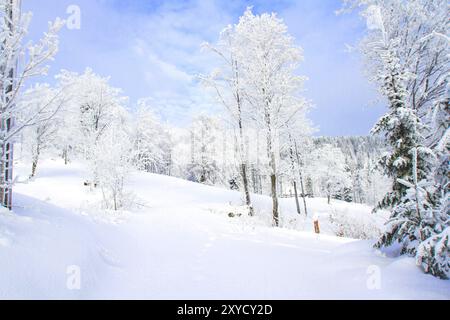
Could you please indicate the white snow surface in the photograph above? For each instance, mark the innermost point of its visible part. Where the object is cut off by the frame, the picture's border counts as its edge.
(179, 243)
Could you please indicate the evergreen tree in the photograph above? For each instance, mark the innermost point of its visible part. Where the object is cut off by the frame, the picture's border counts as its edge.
(309, 187)
(433, 253)
(407, 48)
(409, 163)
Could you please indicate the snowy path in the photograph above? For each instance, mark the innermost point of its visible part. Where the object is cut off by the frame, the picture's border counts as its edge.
(176, 248)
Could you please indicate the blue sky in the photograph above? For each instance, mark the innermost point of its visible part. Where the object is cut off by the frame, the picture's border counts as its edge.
(151, 48)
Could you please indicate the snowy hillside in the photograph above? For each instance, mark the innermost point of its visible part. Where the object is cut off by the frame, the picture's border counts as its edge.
(180, 243)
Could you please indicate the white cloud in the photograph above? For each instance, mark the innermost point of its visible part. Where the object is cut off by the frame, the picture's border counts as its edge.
(154, 50)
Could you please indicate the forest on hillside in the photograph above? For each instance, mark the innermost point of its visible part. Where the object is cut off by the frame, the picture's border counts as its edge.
(256, 139)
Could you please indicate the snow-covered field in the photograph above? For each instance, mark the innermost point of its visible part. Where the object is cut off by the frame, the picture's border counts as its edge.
(180, 243)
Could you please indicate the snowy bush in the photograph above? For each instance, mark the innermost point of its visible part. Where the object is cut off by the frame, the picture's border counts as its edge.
(231, 211)
(356, 226)
(112, 164)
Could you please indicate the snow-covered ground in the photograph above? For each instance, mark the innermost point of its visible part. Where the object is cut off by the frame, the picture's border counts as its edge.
(180, 243)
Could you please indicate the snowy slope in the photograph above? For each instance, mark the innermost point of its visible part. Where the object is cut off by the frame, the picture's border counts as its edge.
(180, 243)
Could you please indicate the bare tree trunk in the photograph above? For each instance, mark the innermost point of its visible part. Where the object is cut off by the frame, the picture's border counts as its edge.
(281, 189)
(296, 197)
(244, 174)
(35, 161)
(248, 201)
(243, 169)
(272, 164)
(34, 167)
(7, 72)
(275, 213)
(301, 179)
(291, 154)
(66, 155)
(303, 194)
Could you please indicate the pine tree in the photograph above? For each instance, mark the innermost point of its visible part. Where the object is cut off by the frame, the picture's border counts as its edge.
(409, 163)
(309, 187)
(433, 253)
(407, 47)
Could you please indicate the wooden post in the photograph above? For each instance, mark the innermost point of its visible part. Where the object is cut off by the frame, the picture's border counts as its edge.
(316, 226)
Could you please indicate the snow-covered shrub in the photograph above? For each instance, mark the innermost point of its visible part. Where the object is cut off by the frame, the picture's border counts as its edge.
(356, 226)
(112, 164)
(232, 211)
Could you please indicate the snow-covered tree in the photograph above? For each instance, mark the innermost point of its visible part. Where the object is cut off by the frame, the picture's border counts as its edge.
(296, 134)
(204, 148)
(92, 108)
(309, 188)
(409, 161)
(269, 60)
(327, 166)
(114, 156)
(33, 58)
(407, 50)
(433, 253)
(229, 87)
(368, 184)
(152, 141)
(420, 28)
(40, 134)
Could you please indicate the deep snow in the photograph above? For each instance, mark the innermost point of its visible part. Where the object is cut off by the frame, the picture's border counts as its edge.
(179, 243)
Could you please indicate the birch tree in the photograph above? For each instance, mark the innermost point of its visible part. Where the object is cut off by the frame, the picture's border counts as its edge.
(228, 84)
(269, 60)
